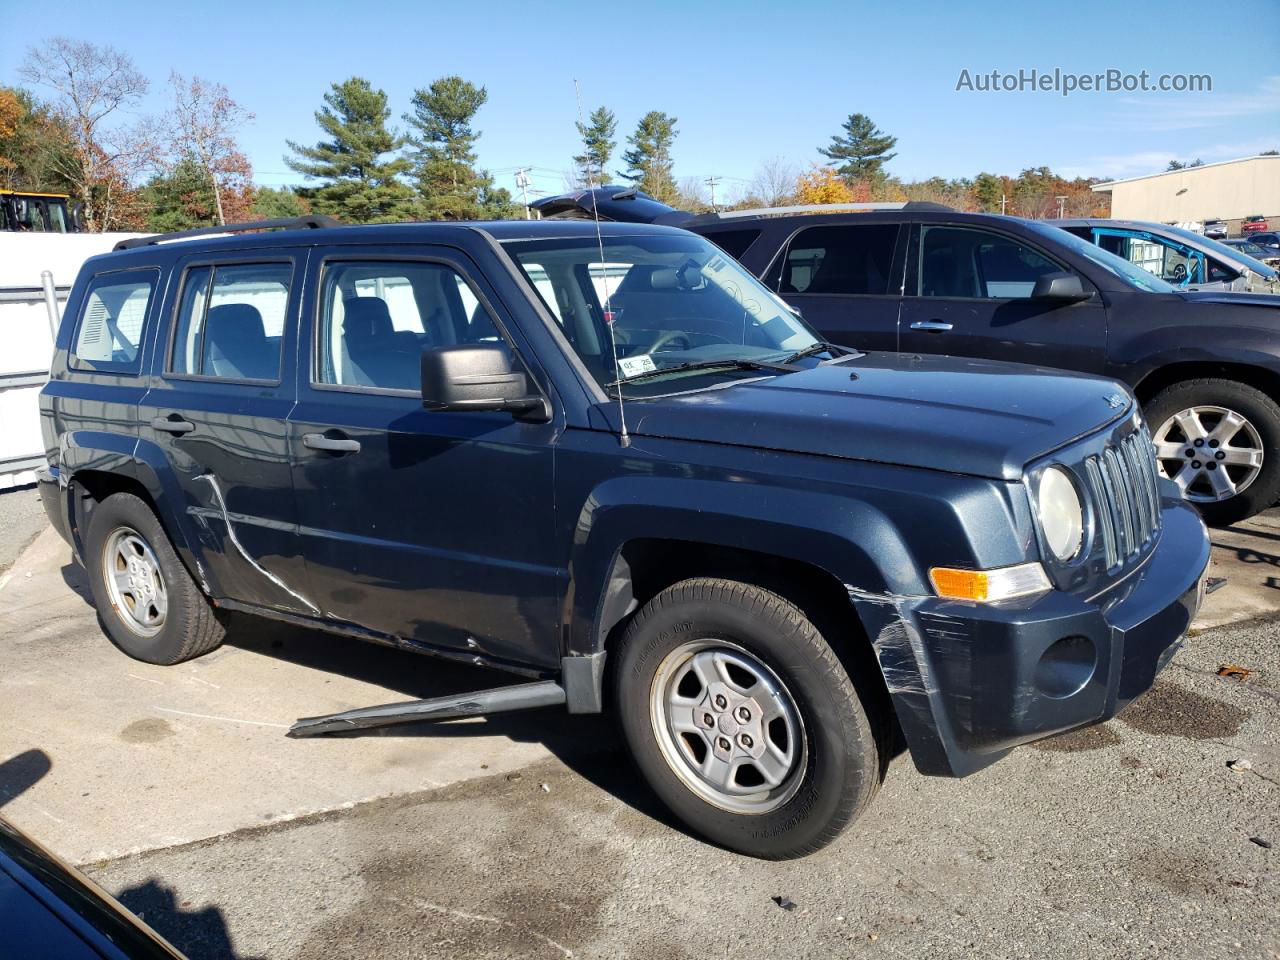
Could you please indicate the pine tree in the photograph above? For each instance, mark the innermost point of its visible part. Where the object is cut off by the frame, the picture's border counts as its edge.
(649, 159)
(450, 185)
(180, 198)
(358, 165)
(861, 151)
(987, 191)
(597, 146)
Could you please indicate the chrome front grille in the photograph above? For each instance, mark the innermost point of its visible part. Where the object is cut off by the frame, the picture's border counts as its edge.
(1122, 480)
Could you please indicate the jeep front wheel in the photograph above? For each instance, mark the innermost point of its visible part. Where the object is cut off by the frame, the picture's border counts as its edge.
(743, 720)
(147, 602)
(1219, 441)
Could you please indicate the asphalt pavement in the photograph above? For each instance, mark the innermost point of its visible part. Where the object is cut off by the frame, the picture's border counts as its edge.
(530, 836)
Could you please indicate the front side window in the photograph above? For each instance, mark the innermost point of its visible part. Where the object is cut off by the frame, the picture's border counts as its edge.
(377, 318)
(840, 260)
(109, 337)
(660, 308)
(958, 262)
(231, 321)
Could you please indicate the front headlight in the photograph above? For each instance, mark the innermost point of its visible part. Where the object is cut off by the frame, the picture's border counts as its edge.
(1061, 514)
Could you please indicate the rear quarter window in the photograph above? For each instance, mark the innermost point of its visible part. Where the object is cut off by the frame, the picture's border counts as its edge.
(113, 320)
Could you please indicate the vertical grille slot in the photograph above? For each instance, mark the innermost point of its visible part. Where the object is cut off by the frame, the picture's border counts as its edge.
(1122, 480)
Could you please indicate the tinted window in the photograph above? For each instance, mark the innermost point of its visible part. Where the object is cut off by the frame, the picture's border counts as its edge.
(111, 324)
(845, 259)
(734, 242)
(958, 262)
(231, 321)
(377, 318)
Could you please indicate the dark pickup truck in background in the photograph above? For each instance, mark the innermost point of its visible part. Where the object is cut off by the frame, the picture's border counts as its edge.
(606, 459)
(922, 278)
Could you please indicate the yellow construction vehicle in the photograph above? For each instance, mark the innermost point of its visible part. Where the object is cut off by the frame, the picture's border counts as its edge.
(37, 213)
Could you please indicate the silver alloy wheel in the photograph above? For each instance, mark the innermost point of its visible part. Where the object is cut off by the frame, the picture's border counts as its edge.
(1211, 453)
(134, 582)
(728, 727)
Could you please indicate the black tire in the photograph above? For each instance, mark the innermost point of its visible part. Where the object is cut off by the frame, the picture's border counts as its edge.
(841, 770)
(1258, 409)
(190, 625)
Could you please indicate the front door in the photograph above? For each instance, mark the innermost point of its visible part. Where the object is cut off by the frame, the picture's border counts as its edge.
(221, 390)
(432, 527)
(969, 295)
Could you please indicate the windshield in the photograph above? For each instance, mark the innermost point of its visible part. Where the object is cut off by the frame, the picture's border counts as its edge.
(1135, 277)
(672, 301)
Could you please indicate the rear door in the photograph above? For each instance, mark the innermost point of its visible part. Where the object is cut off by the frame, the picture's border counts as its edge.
(221, 391)
(92, 402)
(846, 279)
(435, 527)
(969, 295)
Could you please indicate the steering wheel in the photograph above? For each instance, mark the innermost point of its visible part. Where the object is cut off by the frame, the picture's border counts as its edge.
(1179, 272)
(680, 336)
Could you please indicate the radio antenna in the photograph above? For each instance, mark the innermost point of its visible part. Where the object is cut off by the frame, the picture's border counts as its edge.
(623, 438)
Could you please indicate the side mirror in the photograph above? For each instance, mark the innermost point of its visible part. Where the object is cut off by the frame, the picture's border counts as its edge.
(471, 377)
(1058, 286)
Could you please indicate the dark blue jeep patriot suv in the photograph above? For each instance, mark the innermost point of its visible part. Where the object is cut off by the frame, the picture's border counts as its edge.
(606, 458)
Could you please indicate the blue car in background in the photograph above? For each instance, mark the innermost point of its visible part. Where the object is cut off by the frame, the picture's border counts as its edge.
(1189, 261)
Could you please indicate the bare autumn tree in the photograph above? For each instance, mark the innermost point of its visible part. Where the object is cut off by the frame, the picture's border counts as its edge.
(92, 84)
(204, 120)
(774, 183)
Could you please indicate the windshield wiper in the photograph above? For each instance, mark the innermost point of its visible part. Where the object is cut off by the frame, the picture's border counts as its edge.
(736, 363)
(821, 346)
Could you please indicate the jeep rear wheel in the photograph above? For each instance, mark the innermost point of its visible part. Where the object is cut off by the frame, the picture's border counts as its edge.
(147, 602)
(1219, 441)
(743, 720)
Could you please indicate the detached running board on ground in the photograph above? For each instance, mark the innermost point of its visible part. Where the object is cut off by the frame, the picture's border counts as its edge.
(521, 696)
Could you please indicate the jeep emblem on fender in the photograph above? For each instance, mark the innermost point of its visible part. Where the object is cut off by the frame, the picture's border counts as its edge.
(1115, 401)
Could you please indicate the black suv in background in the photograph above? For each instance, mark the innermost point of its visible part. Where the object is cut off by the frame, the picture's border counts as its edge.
(922, 278)
(607, 459)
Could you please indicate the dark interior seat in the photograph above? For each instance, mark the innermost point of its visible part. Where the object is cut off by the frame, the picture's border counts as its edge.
(236, 345)
(379, 356)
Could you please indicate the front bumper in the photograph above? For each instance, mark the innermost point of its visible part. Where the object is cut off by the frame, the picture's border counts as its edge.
(970, 682)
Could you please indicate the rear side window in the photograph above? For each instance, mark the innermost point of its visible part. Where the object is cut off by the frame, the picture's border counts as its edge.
(377, 318)
(231, 321)
(109, 336)
(734, 242)
(840, 260)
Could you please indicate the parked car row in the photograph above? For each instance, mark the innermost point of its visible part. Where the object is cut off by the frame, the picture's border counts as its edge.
(921, 278)
(610, 458)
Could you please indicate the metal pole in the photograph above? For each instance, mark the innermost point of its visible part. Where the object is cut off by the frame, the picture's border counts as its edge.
(50, 302)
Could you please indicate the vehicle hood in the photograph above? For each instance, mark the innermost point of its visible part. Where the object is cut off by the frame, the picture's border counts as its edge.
(975, 417)
(1224, 298)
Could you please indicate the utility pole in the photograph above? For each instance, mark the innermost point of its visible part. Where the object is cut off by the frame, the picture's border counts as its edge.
(1062, 202)
(711, 182)
(1003, 201)
(522, 181)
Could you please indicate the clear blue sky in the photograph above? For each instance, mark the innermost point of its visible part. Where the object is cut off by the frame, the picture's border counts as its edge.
(747, 80)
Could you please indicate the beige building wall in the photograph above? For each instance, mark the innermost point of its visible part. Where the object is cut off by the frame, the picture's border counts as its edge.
(1228, 191)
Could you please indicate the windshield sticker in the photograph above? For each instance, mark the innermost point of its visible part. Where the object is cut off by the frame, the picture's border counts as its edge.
(634, 366)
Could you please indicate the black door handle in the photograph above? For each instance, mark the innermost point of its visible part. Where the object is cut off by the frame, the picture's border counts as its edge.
(176, 426)
(318, 441)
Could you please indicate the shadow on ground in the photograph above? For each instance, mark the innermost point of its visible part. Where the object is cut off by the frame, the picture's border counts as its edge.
(588, 744)
(201, 934)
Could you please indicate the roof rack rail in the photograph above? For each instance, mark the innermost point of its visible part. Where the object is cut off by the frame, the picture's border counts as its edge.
(309, 222)
(820, 208)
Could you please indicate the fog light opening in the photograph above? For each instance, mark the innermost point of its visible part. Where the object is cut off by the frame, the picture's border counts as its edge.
(1066, 667)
